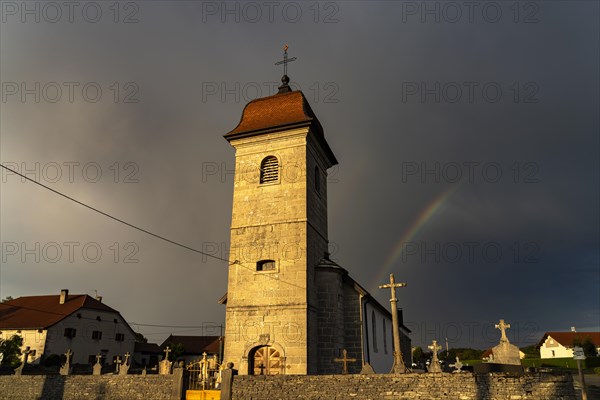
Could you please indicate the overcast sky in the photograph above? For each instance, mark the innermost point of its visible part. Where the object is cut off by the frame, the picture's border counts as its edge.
(467, 138)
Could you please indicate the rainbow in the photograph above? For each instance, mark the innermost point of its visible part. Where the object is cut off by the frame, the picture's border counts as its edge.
(425, 216)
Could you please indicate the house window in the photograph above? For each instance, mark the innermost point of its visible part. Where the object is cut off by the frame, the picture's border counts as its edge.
(119, 337)
(269, 170)
(317, 180)
(70, 332)
(92, 359)
(552, 353)
(384, 338)
(374, 328)
(265, 265)
(97, 335)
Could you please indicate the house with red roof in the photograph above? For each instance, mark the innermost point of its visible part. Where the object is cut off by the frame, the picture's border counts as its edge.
(54, 324)
(560, 344)
(195, 346)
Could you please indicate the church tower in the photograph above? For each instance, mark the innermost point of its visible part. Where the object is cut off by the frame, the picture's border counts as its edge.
(278, 235)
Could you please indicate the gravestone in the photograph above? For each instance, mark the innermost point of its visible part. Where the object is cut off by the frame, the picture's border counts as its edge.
(227, 381)
(505, 352)
(434, 366)
(124, 369)
(144, 372)
(66, 369)
(164, 367)
(457, 366)
(26, 352)
(98, 366)
(117, 364)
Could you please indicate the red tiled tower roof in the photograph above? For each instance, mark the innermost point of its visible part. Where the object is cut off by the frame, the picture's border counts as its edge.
(284, 110)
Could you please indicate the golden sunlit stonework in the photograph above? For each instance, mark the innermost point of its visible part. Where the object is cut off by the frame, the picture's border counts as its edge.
(289, 308)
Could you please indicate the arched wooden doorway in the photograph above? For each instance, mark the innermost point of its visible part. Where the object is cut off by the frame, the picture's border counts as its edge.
(264, 360)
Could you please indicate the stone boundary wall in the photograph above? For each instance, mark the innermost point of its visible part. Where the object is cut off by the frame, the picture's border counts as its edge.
(79, 387)
(463, 386)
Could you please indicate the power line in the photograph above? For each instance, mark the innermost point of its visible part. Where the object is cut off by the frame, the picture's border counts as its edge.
(144, 230)
(115, 218)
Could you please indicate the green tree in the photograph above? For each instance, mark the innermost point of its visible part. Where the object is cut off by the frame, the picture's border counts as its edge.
(589, 348)
(7, 298)
(531, 351)
(176, 350)
(11, 348)
(417, 354)
(140, 338)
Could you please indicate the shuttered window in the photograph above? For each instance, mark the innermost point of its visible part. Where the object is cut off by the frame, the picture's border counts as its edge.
(269, 170)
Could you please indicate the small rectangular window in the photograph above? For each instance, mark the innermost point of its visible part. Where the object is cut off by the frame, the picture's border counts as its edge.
(96, 335)
(265, 265)
(119, 337)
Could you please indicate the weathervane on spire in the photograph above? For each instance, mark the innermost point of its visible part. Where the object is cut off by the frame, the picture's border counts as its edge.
(285, 79)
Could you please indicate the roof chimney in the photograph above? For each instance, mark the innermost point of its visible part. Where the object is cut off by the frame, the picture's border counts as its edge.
(64, 294)
(99, 298)
(573, 329)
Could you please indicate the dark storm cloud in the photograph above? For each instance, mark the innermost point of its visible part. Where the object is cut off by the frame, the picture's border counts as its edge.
(397, 93)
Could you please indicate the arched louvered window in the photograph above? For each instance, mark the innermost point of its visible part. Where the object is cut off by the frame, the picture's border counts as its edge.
(374, 326)
(269, 170)
(265, 265)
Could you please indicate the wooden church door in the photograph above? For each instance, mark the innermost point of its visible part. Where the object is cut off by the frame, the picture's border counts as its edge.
(266, 361)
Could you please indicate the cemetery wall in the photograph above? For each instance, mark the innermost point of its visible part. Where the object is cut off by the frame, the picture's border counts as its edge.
(78, 387)
(463, 386)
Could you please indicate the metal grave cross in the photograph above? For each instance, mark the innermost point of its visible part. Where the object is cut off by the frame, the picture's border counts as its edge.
(503, 327)
(167, 350)
(345, 360)
(399, 367)
(285, 60)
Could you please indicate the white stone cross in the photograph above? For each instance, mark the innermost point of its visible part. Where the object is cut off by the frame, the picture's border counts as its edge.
(434, 348)
(127, 355)
(398, 367)
(167, 350)
(458, 365)
(98, 358)
(503, 327)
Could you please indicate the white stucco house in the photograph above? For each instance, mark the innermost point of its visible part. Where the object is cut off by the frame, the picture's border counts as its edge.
(55, 323)
(560, 344)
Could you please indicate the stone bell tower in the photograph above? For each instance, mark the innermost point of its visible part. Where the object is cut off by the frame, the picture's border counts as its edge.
(278, 235)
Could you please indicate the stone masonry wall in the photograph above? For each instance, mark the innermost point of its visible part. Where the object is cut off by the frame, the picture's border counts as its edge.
(80, 387)
(464, 386)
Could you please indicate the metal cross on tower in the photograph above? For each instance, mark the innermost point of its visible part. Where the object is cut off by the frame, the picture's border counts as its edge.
(399, 367)
(285, 60)
(285, 79)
